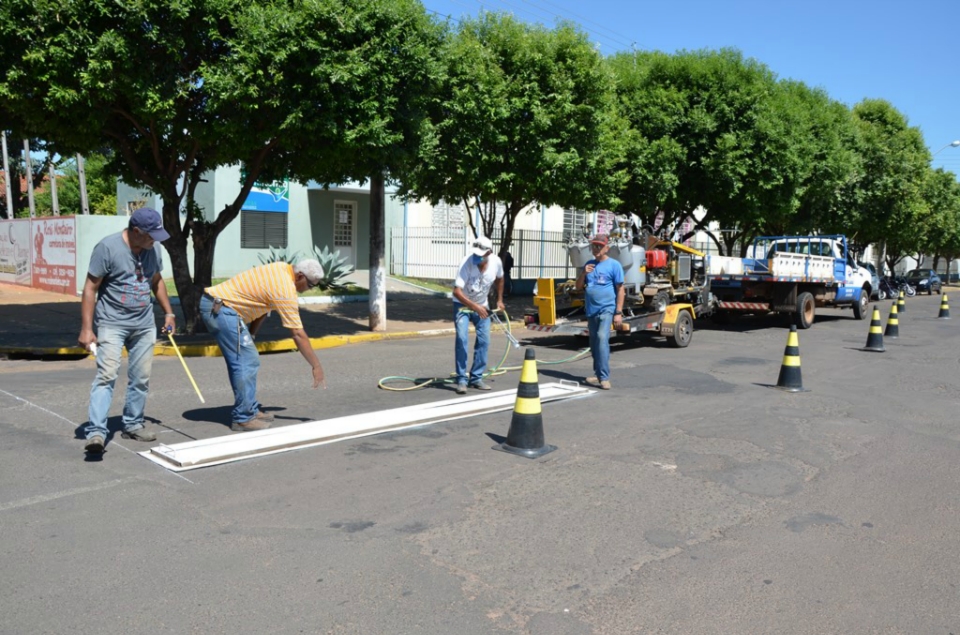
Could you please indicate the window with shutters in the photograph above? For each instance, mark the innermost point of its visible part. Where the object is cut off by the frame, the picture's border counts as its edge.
(262, 230)
(573, 222)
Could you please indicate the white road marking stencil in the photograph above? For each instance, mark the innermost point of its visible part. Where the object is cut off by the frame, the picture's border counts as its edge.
(191, 455)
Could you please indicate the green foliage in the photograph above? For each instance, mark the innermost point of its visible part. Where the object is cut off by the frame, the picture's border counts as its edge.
(101, 187)
(279, 255)
(335, 268)
(704, 132)
(887, 203)
(524, 114)
(322, 89)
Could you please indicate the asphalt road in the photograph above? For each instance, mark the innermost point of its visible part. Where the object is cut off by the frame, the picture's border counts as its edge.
(692, 498)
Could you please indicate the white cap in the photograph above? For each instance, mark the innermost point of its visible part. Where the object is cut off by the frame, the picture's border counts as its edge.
(481, 246)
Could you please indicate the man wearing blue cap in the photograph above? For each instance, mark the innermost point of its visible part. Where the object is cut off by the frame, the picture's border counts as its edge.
(124, 268)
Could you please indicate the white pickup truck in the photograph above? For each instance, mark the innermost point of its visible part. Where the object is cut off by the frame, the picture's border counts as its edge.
(791, 274)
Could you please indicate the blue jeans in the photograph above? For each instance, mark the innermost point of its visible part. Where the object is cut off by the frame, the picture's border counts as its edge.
(462, 319)
(599, 326)
(240, 353)
(110, 343)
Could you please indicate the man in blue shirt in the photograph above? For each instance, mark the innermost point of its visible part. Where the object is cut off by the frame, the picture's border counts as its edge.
(602, 279)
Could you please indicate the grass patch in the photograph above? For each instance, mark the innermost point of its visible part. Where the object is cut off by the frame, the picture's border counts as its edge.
(433, 285)
(351, 289)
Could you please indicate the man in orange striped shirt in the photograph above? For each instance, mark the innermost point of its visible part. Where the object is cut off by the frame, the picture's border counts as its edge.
(233, 312)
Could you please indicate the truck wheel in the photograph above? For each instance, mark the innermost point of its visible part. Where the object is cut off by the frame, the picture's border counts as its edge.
(806, 310)
(682, 330)
(860, 308)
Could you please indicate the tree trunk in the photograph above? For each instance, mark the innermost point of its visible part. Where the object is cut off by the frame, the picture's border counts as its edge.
(378, 289)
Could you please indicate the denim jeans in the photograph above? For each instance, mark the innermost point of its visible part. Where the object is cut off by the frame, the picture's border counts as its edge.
(240, 353)
(599, 326)
(110, 343)
(462, 318)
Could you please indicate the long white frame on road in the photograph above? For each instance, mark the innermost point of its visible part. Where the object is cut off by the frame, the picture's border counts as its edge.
(190, 455)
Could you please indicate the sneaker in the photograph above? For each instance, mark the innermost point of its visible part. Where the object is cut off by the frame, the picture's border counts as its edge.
(247, 426)
(480, 385)
(264, 416)
(94, 445)
(592, 381)
(461, 389)
(605, 384)
(140, 434)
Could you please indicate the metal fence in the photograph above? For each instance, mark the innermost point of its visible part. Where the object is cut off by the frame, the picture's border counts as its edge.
(436, 252)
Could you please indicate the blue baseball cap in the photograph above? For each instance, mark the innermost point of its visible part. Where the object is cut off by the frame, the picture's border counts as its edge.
(148, 221)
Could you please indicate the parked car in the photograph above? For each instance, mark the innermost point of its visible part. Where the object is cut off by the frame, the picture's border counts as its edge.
(925, 280)
(875, 292)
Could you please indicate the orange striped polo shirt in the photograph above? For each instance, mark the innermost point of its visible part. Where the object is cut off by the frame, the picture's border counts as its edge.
(265, 288)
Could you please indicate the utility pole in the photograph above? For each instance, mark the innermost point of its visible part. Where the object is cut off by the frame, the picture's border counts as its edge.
(29, 172)
(53, 190)
(82, 175)
(6, 176)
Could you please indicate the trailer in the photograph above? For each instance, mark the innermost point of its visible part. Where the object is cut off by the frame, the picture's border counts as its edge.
(665, 286)
(674, 321)
(792, 275)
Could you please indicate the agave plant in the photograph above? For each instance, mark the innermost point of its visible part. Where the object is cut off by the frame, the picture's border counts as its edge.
(280, 255)
(335, 268)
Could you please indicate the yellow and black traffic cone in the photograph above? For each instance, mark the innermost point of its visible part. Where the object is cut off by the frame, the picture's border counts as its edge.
(790, 378)
(875, 338)
(525, 437)
(893, 323)
(944, 309)
(901, 304)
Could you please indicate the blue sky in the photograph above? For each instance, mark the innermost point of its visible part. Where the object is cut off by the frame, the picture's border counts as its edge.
(901, 51)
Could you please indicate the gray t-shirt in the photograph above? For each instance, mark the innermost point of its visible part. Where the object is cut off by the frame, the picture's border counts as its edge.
(124, 296)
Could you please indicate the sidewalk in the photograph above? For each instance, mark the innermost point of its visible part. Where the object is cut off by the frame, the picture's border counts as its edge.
(35, 323)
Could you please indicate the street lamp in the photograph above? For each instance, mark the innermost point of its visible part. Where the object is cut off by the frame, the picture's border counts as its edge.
(952, 144)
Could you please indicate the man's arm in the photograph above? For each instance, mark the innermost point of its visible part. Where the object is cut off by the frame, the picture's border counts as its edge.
(473, 306)
(87, 303)
(498, 285)
(618, 316)
(160, 291)
(302, 340)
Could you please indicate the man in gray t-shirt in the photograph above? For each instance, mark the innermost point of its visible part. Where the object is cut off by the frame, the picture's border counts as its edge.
(124, 269)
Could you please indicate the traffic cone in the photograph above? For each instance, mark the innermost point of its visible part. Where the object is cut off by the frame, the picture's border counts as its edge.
(875, 338)
(525, 437)
(893, 323)
(901, 304)
(944, 309)
(790, 379)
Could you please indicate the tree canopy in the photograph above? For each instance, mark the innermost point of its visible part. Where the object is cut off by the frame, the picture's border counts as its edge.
(303, 89)
(523, 115)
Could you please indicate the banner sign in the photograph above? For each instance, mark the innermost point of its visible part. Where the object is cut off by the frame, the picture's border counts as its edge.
(15, 252)
(54, 242)
(273, 197)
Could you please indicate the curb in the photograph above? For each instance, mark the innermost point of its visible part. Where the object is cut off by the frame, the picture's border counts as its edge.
(212, 350)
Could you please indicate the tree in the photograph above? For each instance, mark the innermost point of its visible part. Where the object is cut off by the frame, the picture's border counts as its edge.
(290, 89)
(940, 227)
(524, 116)
(705, 132)
(886, 198)
(101, 187)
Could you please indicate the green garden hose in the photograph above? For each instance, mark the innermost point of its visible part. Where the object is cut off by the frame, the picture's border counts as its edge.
(498, 369)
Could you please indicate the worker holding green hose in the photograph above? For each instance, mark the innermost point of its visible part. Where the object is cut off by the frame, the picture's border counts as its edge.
(478, 272)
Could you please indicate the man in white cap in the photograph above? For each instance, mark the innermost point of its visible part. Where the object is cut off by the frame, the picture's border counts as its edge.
(124, 268)
(478, 272)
